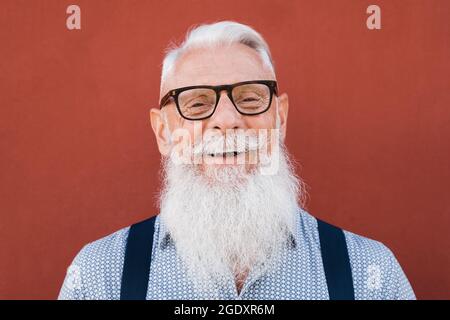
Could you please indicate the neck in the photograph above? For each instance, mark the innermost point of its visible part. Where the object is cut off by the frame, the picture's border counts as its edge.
(240, 280)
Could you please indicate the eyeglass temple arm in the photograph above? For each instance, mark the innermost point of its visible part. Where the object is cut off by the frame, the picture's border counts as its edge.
(165, 99)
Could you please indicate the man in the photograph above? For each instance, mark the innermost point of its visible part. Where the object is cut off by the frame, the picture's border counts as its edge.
(231, 222)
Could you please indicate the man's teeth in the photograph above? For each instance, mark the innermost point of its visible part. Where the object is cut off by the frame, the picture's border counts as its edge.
(225, 154)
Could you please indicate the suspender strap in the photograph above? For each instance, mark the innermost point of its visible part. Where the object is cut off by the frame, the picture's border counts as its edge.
(138, 254)
(336, 262)
(139, 246)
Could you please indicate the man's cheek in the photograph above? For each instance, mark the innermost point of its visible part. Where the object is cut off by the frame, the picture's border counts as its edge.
(181, 146)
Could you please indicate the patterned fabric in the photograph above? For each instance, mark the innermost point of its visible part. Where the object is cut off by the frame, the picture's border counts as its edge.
(96, 271)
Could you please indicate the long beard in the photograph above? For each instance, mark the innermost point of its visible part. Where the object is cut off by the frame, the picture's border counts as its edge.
(231, 225)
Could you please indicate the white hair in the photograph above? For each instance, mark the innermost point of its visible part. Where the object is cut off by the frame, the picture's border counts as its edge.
(219, 33)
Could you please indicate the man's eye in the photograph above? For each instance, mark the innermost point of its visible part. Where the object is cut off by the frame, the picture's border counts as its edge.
(249, 100)
(197, 105)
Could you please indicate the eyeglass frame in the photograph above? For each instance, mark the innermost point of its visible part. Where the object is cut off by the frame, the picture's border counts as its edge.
(174, 93)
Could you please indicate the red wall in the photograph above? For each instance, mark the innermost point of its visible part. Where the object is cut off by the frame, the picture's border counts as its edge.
(369, 122)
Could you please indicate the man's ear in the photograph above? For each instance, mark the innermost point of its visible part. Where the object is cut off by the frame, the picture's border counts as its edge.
(283, 108)
(161, 131)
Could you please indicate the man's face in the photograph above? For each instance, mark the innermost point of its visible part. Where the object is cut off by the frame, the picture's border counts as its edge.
(216, 66)
(228, 217)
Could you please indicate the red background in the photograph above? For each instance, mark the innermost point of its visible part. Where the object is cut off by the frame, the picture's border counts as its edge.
(369, 123)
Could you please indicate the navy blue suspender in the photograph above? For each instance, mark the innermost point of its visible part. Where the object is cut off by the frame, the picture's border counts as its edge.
(336, 263)
(139, 246)
(138, 255)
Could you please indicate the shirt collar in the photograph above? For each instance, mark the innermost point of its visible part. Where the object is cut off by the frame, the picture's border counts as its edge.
(164, 236)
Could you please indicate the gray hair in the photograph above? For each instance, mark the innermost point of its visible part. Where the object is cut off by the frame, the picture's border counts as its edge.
(219, 33)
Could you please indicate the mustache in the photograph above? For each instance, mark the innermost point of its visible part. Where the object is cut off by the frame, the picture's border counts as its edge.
(228, 143)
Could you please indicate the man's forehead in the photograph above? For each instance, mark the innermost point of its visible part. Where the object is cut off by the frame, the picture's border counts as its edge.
(214, 66)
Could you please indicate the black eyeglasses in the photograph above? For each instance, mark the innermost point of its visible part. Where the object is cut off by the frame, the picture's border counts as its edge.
(200, 102)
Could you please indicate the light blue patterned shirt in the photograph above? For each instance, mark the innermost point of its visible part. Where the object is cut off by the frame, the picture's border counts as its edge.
(96, 271)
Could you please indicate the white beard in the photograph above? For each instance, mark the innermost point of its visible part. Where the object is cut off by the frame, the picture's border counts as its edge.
(221, 229)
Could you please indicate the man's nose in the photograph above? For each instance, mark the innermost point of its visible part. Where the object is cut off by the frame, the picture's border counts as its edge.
(226, 116)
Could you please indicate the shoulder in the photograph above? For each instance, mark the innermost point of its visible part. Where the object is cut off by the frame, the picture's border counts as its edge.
(104, 251)
(376, 272)
(95, 272)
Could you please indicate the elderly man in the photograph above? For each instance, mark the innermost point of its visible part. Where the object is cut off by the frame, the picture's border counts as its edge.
(232, 223)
